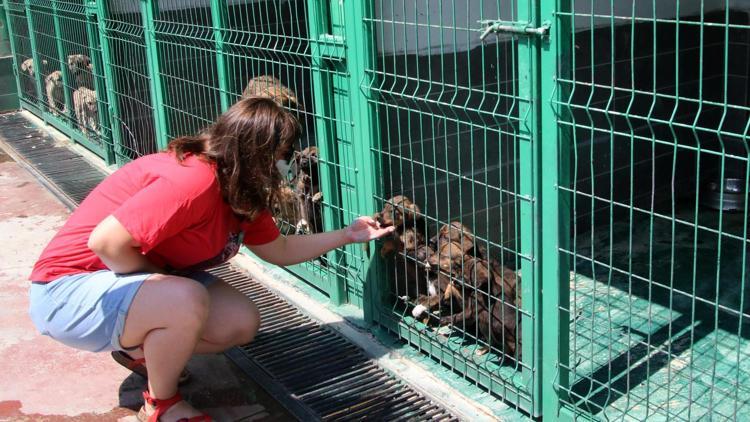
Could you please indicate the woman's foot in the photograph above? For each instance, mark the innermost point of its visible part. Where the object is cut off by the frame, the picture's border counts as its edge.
(176, 412)
(134, 361)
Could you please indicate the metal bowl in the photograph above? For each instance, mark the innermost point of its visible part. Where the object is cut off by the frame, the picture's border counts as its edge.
(734, 195)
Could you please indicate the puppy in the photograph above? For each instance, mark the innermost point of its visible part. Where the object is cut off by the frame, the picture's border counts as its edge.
(29, 85)
(86, 110)
(406, 245)
(460, 234)
(53, 87)
(285, 209)
(270, 87)
(81, 71)
(491, 305)
(306, 184)
(27, 67)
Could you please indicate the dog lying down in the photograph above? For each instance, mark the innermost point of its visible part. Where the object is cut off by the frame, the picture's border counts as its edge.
(455, 273)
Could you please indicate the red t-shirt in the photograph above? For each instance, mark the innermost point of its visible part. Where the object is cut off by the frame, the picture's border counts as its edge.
(173, 210)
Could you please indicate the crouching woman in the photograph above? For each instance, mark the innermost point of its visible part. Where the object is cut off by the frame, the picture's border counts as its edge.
(126, 272)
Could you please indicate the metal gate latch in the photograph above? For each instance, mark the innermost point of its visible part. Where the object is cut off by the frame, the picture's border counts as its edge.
(497, 27)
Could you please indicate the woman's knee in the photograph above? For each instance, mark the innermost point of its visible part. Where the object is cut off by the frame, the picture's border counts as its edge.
(186, 299)
(250, 328)
(238, 325)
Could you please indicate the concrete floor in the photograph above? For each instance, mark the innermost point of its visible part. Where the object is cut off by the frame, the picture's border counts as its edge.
(42, 380)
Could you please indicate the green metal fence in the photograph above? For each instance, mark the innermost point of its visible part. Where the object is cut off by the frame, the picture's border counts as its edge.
(654, 106)
(594, 154)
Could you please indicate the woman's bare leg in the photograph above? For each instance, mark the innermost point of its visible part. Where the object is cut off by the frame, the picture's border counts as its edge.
(168, 328)
(167, 317)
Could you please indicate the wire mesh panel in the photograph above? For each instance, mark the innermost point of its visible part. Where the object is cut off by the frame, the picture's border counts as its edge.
(186, 49)
(45, 44)
(452, 131)
(81, 72)
(130, 84)
(267, 49)
(56, 68)
(656, 108)
(18, 24)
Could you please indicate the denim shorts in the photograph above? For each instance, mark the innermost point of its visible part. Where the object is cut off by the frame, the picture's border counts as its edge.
(87, 311)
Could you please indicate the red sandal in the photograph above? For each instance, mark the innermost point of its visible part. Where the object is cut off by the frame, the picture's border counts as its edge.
(161, 407)
(139, 366)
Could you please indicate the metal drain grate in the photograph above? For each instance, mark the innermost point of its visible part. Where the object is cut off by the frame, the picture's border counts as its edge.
(66, 174)
(316, 372)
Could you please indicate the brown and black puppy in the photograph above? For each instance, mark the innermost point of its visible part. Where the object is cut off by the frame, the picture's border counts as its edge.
(490, 304)
(53, 87)
(81, 71)
(286, 210)
(403, 214)
(407, 245)
(306, 185)
(270, 87)
(460, 234)
(451, 245)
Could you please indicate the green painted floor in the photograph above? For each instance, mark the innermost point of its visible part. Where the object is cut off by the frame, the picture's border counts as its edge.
(664, 331)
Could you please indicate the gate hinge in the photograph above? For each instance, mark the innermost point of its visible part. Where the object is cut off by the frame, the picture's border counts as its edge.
(498, 27)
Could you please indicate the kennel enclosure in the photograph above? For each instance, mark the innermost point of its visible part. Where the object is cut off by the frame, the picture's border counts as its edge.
(598, 150)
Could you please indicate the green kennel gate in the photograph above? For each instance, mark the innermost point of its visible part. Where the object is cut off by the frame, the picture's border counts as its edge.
(45, 34)
(596, 149)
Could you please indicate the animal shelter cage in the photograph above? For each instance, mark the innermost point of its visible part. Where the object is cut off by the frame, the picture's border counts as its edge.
(569, 178)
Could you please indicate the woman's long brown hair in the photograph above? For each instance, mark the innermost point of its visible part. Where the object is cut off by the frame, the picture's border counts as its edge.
(244, 143)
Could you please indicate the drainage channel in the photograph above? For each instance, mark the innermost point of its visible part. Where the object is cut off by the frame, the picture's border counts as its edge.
(63, 172)
(315, 372)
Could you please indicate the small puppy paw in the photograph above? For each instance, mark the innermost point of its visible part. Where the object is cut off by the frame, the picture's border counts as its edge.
(418, 311)
(317, 197)
(481, 351)
(303, 227)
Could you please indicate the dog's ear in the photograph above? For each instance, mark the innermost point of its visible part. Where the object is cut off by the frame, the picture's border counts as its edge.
(411, 211)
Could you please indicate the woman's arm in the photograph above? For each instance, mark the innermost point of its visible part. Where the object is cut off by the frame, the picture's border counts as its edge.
(297, 249)
(115, 246)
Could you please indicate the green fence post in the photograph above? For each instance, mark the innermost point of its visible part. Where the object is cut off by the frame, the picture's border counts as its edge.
(103, 99)
(529, 173)
(11, 36)
(318, 26)
(110, 84)
(37, 62)
(219, 21)
(555, 275)
(364, 123)
(149, 11)
(63, 60)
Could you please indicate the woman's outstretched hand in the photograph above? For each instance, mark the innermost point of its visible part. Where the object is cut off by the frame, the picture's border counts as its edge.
(365, 229)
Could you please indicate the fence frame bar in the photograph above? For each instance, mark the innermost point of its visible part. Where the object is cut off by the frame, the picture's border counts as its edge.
(555, 206)
(35, 58)
(149, 11)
